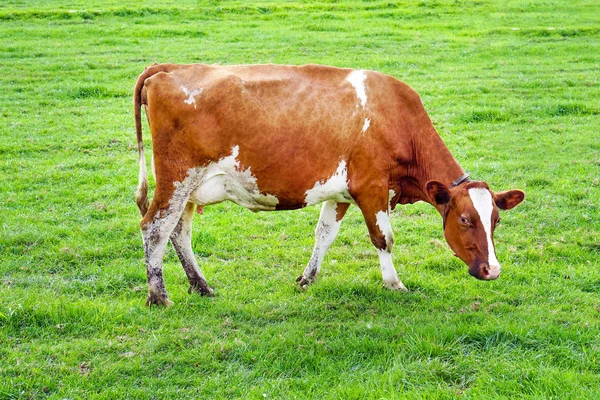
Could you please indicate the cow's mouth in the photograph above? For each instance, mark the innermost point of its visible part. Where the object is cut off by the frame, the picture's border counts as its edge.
(484, 271)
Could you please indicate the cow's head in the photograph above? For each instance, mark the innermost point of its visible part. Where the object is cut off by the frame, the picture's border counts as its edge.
(470, 213)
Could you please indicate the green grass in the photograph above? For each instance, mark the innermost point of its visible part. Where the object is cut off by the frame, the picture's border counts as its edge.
(512, 88)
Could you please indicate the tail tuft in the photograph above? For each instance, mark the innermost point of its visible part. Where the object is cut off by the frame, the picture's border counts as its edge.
(141, 197)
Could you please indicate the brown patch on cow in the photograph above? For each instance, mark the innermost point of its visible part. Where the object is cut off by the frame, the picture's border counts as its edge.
(341, 210)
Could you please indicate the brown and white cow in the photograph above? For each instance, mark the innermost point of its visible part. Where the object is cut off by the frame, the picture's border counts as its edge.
(273, 137)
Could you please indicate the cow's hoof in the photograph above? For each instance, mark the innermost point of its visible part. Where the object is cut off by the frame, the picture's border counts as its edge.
(158, 300)
(397, 285)
(302, 282)
(202, 289)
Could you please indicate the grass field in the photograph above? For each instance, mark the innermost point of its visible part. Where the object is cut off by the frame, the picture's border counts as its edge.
(513, 89)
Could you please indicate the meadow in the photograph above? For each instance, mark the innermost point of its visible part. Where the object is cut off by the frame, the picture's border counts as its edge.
(513, 89)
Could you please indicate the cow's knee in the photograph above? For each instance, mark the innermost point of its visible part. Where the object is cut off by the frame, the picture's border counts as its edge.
(379, 241)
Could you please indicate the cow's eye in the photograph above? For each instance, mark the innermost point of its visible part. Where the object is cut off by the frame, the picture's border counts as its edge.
(498, 221)
(464, 221)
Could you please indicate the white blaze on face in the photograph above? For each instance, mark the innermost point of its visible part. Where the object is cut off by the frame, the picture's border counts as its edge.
(190, 95)
(483, 203)
(357, 80)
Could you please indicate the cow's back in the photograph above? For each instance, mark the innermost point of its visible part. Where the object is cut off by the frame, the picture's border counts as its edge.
(293, 127)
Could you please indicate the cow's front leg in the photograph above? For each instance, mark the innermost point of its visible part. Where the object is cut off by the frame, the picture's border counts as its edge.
(181, 238)
(376, 214)
(325, 233)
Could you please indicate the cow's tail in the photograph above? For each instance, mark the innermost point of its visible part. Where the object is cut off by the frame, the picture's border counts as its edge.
(141, 197)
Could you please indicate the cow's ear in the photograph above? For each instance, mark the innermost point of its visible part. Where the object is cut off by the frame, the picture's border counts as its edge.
(509, 199)
(438, 192)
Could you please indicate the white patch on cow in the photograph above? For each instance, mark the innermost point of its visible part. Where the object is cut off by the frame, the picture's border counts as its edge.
(357, 80)
(366, 125)
(391, 194)
(226, 180)
(335, 188)
(383, 222)
(190, 95)
(483, 203)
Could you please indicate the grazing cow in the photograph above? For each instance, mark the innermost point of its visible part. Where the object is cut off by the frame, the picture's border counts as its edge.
(273, 137)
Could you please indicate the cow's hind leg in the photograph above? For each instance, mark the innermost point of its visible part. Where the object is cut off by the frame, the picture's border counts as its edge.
(156, 226)
(325, 233)
(376, 213)
(181, 238)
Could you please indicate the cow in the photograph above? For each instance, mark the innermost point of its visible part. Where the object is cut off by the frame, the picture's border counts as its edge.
(277, 137)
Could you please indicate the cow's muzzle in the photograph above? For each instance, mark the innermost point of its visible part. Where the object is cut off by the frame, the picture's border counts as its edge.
(484, 271)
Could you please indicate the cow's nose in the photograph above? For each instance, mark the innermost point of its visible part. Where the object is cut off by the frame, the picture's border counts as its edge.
(489, 272)
(485, 271)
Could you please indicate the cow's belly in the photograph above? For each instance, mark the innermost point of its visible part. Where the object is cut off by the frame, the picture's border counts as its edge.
(227, 180)
(224, 180)
(218, 186)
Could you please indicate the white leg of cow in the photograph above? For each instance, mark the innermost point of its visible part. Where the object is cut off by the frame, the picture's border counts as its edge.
(388, 272)
(157, 226)
(181, 238)
(375, 210)
(325, 233)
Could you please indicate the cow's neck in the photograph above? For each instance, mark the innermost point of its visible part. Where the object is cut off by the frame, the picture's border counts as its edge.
(432, 161)
(438, 163)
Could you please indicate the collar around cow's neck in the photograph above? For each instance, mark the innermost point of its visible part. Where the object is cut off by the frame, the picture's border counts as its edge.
(463, 178)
